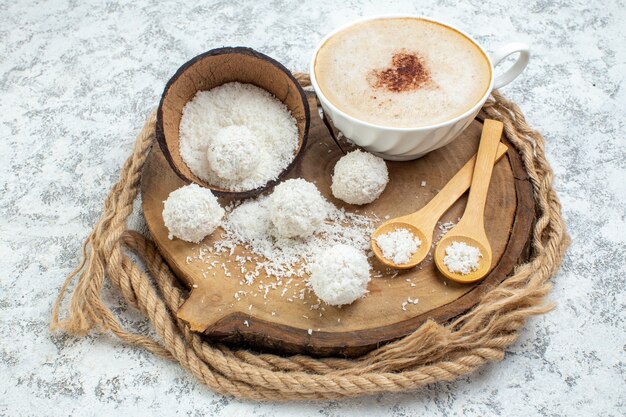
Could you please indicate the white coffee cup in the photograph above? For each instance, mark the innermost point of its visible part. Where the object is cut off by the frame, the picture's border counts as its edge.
(406, 143)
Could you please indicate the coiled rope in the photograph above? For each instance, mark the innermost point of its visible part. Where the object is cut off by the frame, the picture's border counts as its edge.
(434, 352)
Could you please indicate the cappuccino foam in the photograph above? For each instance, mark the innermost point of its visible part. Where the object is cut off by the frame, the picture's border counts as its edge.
(402, 72)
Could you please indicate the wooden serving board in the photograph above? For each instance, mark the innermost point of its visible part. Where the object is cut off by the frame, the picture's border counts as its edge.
(275, 323)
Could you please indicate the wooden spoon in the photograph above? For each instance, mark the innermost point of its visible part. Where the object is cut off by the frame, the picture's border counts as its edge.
(471, 228)
(422, 223)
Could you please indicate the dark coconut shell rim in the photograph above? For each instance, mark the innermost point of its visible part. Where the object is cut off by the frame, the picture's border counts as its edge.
(160, 135)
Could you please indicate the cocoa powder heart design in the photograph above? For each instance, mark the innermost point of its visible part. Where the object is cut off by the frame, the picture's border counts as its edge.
(407, 72)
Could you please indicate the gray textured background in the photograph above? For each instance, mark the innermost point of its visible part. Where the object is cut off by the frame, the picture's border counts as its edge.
(77, 80)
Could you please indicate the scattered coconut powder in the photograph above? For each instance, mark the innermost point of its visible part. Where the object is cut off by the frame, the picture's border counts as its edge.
(462, 258)
(399, 245)
(445, 227)
(409, 301)
(284, 262)
(250, 225)
(274, 263)
(247, 107)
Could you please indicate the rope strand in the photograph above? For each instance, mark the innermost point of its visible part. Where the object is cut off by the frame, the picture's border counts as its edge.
(434, 352)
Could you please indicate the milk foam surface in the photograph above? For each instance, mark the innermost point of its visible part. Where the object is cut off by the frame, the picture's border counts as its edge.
(363, 71)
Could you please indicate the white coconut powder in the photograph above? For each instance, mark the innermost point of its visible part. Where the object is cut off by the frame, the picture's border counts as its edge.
(275, 264)
(253, 111)
(399, 245)
(462, 258)
(250, 225)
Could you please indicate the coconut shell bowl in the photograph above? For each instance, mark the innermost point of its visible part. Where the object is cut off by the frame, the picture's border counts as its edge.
(212, 69)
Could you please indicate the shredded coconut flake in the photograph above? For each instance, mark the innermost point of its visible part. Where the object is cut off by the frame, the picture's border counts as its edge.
(445, 227)
(249, 225)
(462, 258)
(255, 250)
(245, 106)
(399, 245)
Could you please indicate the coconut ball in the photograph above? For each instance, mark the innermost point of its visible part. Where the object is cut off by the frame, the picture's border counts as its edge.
(359, 178)
(233, 153)
(297, 208)
(340, 275)
(251, 220)
(191, 213)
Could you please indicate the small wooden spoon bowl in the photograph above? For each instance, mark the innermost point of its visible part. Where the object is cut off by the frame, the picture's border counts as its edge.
(471, 228)
(212, 69)
(391, 226)
(484, 262)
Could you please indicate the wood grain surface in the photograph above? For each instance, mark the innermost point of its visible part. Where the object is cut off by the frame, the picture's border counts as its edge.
(276, 324)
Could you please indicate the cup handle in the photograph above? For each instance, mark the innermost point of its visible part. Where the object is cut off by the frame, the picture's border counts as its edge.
(516, 69)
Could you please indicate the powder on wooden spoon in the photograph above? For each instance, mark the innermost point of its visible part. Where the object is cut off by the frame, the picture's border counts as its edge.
(399, 245)
(462, 258)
